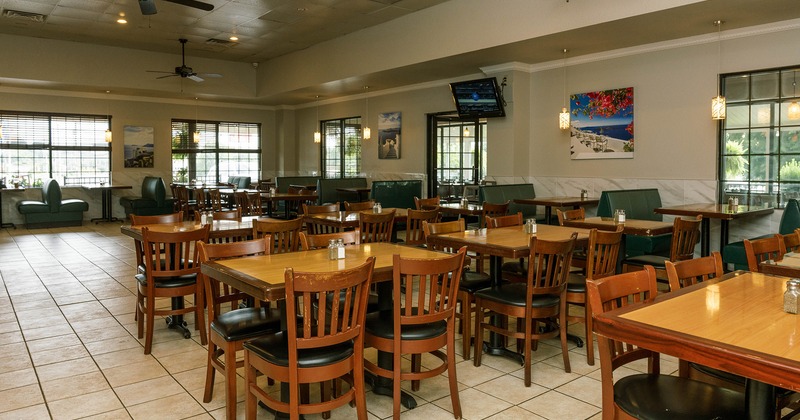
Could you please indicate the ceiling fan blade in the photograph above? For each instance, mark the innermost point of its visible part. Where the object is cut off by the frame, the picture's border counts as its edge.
(194, 3)
(210, 75)
(148, 7)
(195, 78)
(158, 71)
(164, 77)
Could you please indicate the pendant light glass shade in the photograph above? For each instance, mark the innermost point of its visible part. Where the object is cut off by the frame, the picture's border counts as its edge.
(196, 137)
(794, 111)
(563, 119)
(367, 132)
(718, 108)
(108, 135)
(317, 134)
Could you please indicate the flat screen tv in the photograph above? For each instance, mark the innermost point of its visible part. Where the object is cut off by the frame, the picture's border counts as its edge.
(478, 98)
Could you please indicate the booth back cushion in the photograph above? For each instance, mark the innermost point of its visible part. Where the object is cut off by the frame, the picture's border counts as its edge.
(327, 193)
(399, 194)
(498, 194)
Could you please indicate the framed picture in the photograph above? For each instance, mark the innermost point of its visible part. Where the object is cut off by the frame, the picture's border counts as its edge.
(389, 135)
(601, 125)
(138, 147)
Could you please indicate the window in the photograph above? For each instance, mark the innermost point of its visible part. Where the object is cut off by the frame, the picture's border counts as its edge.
(223, 149)
(341, 148)
(760, 139)
(459, 148)
(69, 148)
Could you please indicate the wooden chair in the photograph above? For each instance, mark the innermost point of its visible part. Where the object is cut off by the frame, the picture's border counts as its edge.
(791, 241)
(649, 395)
(764, 249)
(601, 261)
(376, 227)
(215, 198)
(235, 214)
(314, 227)
(200, 198)
(171, 267)
(489, 210)
(228, 331)
(285, 234)
(426, 203)
(470, 283)
(574, 214)
(249, 205)
(309, 242)
(420, 322)
(579, 255)
(329, 347)
(256, 205)
(415, 235)
(182, 201)
(541, 299)
(685, 235)
(515, 271)
(150, 220)
(689, 272)
(364, 205)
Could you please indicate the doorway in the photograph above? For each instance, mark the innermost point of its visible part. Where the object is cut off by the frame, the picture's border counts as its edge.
(456, 155)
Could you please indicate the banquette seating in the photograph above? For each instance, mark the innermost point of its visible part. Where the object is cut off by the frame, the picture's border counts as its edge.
(52, 211)
(398, 194)
(509, 193)
(734, 253)
(240, 182)
(638, 204)
(153, 200)
(327, 189)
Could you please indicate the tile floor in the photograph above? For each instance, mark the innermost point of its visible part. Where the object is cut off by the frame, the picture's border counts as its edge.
(68, 335)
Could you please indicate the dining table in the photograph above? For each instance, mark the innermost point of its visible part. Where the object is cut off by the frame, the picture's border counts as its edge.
(788, 266)
(361, 193)
(734, 323)
(349, 219)
(470, 209)
(107, 201)
(262, 277)
(559, 201)
(724, 212)
(220, 229)
(286, 197)
(499, 243)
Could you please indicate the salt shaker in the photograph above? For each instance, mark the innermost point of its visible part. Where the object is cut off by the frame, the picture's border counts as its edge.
(464, 202)
(377, 208)
(340, 249)
(791, 297)
(584, 195)
(203, 219)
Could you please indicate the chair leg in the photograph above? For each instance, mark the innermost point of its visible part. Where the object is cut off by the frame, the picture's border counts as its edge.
(210, 372)
(416, 366)
(230, 380)
(562, 325)
(478, 332)
(139, 317)
(360, 394)
(589, 335)
(148, 332)
(451, 372)
(250, 382)
(396, 365)
(466, 325)
(527, 327)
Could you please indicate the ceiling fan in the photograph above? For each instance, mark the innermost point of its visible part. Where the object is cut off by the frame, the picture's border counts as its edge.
(183, 70)
(148, 7)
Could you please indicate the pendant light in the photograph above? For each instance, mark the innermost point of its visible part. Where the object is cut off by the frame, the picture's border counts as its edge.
(718, 105)
(466, 131)
(367, 131)
(563, 117)
(196, 134)
(793, 112)
(108, 135)
(317, 134)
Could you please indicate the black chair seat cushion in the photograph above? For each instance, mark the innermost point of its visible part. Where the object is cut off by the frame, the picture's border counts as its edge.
(179, 281)
(472, 281)
(649, 259)
(245, 323)
(514, 294)
(381, 324)
(274, 348)
(514, 267)
(733, 379)
(670, 397)
(576, 283)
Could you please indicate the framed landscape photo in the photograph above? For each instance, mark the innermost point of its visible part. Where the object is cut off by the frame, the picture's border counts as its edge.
(601, 125)
(389, 135)
(138, 146)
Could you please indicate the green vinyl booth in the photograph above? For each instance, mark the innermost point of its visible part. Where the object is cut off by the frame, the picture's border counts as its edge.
(398, 194)
(499, 194)
(153, 200)
(733, 253)
(52, 210)
(638, 204)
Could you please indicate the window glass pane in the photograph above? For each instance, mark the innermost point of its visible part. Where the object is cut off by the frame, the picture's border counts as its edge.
(763, 168)
(761, 141)
(738, 116)
(765, 86)
(737, 88)
(761, 115)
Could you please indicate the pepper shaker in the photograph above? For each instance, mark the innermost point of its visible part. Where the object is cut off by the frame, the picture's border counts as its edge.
(791, 297)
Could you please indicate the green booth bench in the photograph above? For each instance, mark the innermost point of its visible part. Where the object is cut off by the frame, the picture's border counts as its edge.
(397, 194)
(327, 190)
(240, 182)
(733, 253)
(52, 211)
(638, 204)
(153, 200)
(498, 194)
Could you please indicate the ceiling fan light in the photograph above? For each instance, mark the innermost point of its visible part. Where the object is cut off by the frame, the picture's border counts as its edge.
(794, 111)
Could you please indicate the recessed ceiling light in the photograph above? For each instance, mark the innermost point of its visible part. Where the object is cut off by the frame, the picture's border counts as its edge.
(122, 21)
(301, 9)
(234, 38)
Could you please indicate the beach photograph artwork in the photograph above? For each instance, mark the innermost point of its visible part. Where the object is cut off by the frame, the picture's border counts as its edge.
(389, 124)
(601, 124)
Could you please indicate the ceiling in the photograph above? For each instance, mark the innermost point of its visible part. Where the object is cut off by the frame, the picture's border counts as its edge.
(267, 29)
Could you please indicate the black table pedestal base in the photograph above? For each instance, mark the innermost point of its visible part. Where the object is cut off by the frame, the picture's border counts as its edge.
(176, 322)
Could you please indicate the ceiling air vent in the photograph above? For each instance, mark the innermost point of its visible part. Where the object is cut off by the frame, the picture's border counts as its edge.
(28, 16)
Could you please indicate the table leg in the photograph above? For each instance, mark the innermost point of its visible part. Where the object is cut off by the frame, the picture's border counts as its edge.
(107, 209)
(759, 400)
(723, 233)
(548, 213)
(176, 321)
(705, 237)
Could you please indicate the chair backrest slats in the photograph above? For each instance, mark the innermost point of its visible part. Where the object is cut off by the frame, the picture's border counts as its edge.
(689, 272)
(764, 249)
(285, 234)
(414, 233)
(376, 227)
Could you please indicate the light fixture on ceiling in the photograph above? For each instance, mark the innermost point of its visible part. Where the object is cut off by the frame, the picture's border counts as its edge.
(793, 113)
(466, 131)
(367, 131)
(563, 116)
(108, 135)
(121, 19)
(234, 38)
(317, 134)
(196, 134)
(718, 111)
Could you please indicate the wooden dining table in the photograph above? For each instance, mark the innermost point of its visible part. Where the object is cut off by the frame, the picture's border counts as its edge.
(263, 278)
(288, 198)
(219, 228)
(499, 243)
(789, 266)
(723, 212)
(349, 219)
(735, 323)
